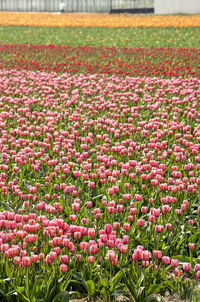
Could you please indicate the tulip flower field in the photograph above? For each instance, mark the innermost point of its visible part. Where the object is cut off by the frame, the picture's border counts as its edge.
(97, 20)
(99, 173)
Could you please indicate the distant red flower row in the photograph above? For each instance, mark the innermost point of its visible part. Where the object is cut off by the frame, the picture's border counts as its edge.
(164, 62)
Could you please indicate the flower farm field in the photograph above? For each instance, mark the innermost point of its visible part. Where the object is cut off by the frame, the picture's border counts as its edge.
(99, 159)
(188, 37)
(97, 20)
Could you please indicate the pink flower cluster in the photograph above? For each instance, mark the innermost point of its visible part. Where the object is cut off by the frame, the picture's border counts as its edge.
(91, 166)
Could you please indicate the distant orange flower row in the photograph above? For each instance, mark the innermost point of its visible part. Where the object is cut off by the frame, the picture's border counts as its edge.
(96, 20)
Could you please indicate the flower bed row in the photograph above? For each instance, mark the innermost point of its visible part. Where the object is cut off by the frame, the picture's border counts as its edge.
(161, 62)
(96, 20)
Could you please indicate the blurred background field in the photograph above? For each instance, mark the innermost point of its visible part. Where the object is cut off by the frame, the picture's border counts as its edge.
(97, 20)
(93, 36)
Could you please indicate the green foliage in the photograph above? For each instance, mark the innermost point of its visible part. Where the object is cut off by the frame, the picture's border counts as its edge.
(112, 287)
(90, 288)
(35, 289)
(118, 37)
(144, 284)
(188, 289)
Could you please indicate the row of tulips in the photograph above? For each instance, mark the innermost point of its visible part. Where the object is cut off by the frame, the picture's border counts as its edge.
(99, 184)
(162, 62)
(96, 20)
(63, 242)
(55, 246)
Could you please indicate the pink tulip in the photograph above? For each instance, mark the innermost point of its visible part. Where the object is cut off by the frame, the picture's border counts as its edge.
(63, 268)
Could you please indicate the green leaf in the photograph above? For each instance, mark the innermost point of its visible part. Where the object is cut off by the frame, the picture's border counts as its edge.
(103, 282)
(23, 297)
(90, 287)
(76, 285)
(12, 293)
(62, 297)
(131, 288)
(19, 289)
(105, 293)
(140, 280)
(52, 293)
(65, 297)
(115, 280)
(6, 280)
(98, 196)
(8, 271)
(86, 273)
(182, 258)
(155, 288)
(193, 237)
(152, 299)
(37, 289)
(27, 283)
(170, 285)
(49, 284)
